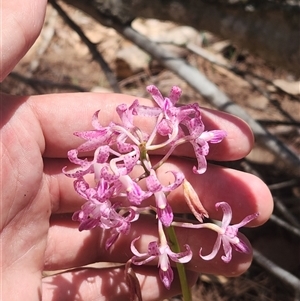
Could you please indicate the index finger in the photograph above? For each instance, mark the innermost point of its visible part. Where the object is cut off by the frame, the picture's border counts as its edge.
(60, 115)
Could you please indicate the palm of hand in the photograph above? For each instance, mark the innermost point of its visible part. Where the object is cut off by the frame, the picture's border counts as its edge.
(25, 206)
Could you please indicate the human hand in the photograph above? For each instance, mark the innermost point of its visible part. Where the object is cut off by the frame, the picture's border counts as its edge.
(37, 232)
(36, 135)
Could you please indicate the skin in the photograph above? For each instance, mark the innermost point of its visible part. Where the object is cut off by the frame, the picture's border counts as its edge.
(37, 200)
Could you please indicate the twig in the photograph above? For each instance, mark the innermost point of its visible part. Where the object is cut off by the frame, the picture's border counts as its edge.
(277, 105)
(278, 122)
(278, 203)
(277, 271)
(92, 47)
(286, 213)
(285, 225)
(289, 183)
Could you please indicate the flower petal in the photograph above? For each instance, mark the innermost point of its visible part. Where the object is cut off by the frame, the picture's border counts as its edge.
(214, 250)
(95, 121)
(227, 213)
(156, 95)
(175, 94)
(218, 136)
(134, 249)
(153, 183)
(166, 277)
(111, 240)
(182, 257)
(165, 215)
(246, 220)
(153, 248)
(81, 186)
(227, 250)
(242, 247)
(202, 164)
(179, 178)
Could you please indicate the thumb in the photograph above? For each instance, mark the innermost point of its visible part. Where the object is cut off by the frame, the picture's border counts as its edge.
(22, 22)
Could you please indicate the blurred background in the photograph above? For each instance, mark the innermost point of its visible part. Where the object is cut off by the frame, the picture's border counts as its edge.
(246, 52)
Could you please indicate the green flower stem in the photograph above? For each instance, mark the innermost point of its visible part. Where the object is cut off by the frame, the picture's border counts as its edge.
(186, 292)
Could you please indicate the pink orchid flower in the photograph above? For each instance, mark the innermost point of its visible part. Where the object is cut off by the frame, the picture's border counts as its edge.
(163, 252)
(164, 210)
(227, 235)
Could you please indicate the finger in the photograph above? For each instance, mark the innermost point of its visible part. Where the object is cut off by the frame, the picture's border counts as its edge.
(245, 193)
(107, 284)
(62, 114)
(21, 24)
(89, 246)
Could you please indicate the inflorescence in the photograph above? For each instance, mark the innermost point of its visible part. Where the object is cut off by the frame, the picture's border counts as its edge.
(116, 198)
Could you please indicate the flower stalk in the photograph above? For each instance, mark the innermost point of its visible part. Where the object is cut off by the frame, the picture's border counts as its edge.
(185, 289)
